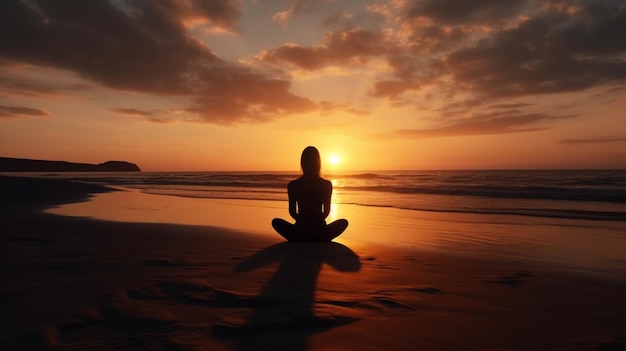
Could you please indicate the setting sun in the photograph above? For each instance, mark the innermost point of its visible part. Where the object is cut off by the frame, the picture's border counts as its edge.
(334, 159)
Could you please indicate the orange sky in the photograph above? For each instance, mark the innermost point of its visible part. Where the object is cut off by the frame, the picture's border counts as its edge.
(246, 85)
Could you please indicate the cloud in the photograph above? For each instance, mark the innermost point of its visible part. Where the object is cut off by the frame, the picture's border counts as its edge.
(512, 105)
(298, 7)
(21, 111)
(133, 112)
(11, 83)
(487, 50)
(248, 95)
(221, 13)
(599, 140)
(554, 49)
(392, 88)
(148, 52)
(434, 38)
(611, 90)
(344, 47)
(463, 11)
(551, 53)
(482, 124)
(155, 116)
(145, 46)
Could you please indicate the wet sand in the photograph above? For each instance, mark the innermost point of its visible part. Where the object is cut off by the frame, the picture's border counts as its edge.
(137, 271)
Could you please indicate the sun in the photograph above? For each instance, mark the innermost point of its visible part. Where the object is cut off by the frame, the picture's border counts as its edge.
(334, 159)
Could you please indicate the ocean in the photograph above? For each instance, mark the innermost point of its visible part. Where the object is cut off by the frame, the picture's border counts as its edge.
(574, 194)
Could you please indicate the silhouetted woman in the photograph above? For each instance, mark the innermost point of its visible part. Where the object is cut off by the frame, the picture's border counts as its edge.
(309, 204)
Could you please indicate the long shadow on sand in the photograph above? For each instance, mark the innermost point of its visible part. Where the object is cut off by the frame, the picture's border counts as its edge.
(285, 316)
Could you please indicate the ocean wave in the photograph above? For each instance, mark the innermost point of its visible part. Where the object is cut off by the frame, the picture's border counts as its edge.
(565, 194)
(538, 208)
(548, 213)
(574, 194)
(360, 176)
(545, 213)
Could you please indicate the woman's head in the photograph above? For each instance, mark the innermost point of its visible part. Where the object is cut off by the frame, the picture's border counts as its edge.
(310, 161)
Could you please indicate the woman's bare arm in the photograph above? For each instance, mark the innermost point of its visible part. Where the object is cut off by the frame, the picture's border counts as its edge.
(326, 205)
(293, 207)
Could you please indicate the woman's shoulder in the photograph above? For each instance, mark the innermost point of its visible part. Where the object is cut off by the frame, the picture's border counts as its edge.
(327, 182)
(296, 183)
(307, 181)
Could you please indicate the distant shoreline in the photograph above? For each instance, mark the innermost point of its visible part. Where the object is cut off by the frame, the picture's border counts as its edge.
(8, 164)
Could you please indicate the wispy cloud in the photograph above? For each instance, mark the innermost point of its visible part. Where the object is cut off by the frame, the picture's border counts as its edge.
(155, 116)
(134, 112)
(481, 124)
(296, 8)
(21, 111)
(597, 140)
(12, 84)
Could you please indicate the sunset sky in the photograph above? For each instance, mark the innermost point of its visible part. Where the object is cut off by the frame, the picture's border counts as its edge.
(246, 85)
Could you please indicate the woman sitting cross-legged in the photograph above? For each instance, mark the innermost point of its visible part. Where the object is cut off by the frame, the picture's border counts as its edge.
(309, 204)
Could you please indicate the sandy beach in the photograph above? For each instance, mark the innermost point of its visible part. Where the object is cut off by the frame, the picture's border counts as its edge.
(86, 267)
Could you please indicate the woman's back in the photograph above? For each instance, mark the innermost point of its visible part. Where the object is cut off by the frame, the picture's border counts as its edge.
(312, 196)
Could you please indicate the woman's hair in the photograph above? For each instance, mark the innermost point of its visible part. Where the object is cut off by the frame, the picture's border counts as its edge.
(310, 161)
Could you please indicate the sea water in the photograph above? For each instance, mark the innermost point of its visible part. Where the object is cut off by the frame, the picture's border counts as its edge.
(575, 194)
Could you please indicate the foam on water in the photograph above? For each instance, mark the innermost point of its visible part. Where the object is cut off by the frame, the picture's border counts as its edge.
(577, 194)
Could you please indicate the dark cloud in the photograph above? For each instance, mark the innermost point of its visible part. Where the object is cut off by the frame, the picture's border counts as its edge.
(355, 46)
(344, 47)
(21, 111)
(298, 7)
(133, 112)
(246, 94)
(433, 39)
(163, 120)
(12, 84)
(482, 124)
(601, 140)
(145, 46)
(512, 105)
(485, 49)
(221, 13)
(149, 52)
(551, 53)
(392, 88)
(155, 116)
(559, 46)
(463, 11)
(612, 90)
